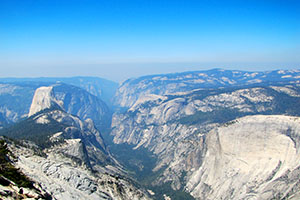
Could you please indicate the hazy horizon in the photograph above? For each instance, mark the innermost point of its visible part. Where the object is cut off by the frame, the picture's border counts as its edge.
(167, 68)
(118, 40)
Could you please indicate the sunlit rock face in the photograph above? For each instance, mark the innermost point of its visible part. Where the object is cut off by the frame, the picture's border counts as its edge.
(255, 157)
(43, 98)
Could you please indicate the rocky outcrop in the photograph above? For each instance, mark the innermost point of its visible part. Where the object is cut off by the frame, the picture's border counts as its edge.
(10, 191)
(62, 176)
(43, 99)
(93, 149)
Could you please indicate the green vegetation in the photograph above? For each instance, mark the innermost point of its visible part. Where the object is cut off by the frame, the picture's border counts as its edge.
(28, 129)
(216, 116)
(140, 163)
(223, 115)
(8, 171)
(285, 104)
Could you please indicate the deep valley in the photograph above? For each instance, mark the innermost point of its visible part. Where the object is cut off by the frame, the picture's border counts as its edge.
(215, 134)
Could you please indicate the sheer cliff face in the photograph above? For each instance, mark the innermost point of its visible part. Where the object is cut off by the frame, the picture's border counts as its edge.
(255, 157)
(43, 99)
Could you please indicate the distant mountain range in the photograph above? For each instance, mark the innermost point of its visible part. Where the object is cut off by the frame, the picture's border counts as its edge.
(164, 84)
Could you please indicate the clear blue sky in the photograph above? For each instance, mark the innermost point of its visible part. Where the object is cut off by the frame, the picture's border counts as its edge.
(120, 39)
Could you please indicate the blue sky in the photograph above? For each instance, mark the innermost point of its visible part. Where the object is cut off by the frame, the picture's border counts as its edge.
(121, 39)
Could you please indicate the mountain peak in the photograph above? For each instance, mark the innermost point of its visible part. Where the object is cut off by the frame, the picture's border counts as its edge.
(43, 98)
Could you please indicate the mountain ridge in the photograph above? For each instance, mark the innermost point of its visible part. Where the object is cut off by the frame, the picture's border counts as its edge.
(16, 99)
(100, 87)
(130, 90)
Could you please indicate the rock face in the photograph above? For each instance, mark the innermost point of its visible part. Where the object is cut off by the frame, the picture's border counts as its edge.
(86, 138)
(255, 157)
(43, 99)
(64, 178)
